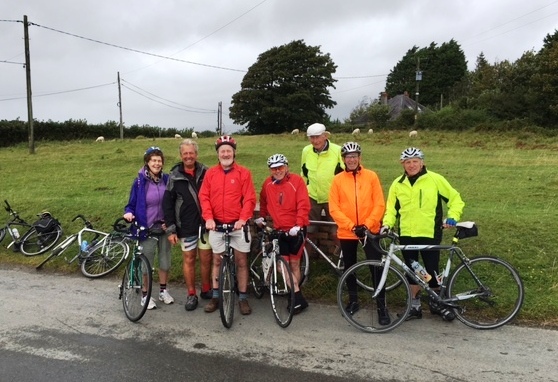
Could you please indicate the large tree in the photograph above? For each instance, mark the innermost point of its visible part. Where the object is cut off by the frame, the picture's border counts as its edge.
(287, 88)
(441, 67)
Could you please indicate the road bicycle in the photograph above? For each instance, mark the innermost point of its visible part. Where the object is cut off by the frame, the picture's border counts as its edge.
(484, 292)
(270, 271)
(38, 238)
(135, 288)
(101, 255)
(228, 288)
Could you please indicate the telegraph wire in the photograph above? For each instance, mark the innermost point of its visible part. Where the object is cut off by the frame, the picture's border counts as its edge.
(182, 107)
(138, 51)
(60, 92)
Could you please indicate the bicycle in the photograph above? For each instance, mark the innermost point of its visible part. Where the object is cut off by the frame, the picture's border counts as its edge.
(135, 287)
(227, 275)
(270, 271)
(38, 238)
(104, 253)
(334, 261)
(484, 292)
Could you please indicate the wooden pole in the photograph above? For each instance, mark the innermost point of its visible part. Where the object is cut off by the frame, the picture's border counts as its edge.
(120, 107)
(29, 93)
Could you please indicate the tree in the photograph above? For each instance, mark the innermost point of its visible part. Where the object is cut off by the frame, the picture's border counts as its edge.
(285, 89)
(442, 67)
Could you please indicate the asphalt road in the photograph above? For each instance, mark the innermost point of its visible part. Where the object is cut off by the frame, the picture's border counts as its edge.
(68, 328)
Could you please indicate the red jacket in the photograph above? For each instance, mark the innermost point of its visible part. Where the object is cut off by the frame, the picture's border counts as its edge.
(227, 196)
(355, 199)
(286, 201)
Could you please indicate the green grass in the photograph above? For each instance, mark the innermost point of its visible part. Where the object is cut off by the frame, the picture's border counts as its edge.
(508, 182)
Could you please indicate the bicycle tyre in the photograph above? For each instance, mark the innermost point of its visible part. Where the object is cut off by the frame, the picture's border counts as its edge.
(3, 233)
(226, 292)
(105, 258)
(34, 243)
(502, 300)
(256, 275)
(281, 292)
(132, 286)
(398, 300)
(304, 267)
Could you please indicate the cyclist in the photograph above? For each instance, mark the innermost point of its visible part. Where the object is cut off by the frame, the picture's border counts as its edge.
(356, 202)
(284, 197)
(227, 196)
(320, 161)
(416, 199)
(183, 217)
(145, 205)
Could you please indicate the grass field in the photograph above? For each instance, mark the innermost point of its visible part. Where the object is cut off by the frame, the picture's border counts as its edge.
(508, 182)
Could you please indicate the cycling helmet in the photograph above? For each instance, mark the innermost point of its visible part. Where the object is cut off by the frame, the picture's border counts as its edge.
(153, 151)
(350, 147)
(277, 160)
(411, 152)
(225, 140)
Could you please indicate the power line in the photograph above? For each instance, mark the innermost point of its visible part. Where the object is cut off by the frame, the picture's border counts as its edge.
(165, 104)
(138, 51)
(60, 92)
(181, 107)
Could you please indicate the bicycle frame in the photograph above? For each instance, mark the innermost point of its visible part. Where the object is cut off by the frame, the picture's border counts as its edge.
(14, 221)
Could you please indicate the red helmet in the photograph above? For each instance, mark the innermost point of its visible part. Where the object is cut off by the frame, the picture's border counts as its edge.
(225, 140)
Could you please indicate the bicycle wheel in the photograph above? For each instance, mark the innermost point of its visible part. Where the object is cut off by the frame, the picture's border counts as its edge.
(489, 290)
(256, 275)
(281, 292)
(133, 285)
(2, 233)
(304, 267)
(226, 291)
(365, 315)
(105, 257)
(34, 243)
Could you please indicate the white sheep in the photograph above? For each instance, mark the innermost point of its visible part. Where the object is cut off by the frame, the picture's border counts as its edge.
(177, 136)
(194, 135)
(295, 131)
(100, 139)
(356, 132)
(413, 133)
(370, 131)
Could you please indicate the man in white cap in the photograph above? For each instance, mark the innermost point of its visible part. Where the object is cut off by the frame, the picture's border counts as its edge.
(321, 161)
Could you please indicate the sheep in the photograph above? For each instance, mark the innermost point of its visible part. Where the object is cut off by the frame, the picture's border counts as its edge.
(370, 131)
(177, 136)
(100, 139)
(194, 135)
(295, 131)
(356, 132)
(413, 134)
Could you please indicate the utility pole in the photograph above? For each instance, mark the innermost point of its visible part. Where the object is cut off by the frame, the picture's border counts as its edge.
(220, 118)
(29, 94)
(418, 78)
(120, 107)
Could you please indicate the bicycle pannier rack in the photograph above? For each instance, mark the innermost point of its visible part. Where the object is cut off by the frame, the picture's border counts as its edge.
(46, 223)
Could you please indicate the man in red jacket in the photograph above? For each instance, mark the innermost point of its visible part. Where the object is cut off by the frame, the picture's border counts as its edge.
(227, 196)
(284, 197)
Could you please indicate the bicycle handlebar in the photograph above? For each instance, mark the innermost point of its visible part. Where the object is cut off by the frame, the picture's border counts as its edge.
(228, 228)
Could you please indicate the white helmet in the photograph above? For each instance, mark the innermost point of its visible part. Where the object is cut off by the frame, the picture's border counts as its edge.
(411, 152)
(315, 129)
(350, 147)
(277, 160)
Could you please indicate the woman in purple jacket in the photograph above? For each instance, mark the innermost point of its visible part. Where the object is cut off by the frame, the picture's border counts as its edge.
(145, 205)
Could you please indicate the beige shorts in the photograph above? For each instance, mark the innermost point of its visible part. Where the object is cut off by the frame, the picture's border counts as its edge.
(217, 241)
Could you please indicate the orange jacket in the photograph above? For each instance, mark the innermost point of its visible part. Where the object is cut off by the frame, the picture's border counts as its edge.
(356, 198)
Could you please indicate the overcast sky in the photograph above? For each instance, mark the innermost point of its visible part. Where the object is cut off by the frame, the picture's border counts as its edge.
(179, 58)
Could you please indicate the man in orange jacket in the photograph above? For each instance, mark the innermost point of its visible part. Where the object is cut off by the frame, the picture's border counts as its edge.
(356, 203)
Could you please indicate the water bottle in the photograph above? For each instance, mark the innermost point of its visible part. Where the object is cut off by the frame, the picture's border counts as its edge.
(420, 271)
(84, 246)
(15, 232)
(266, 263)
